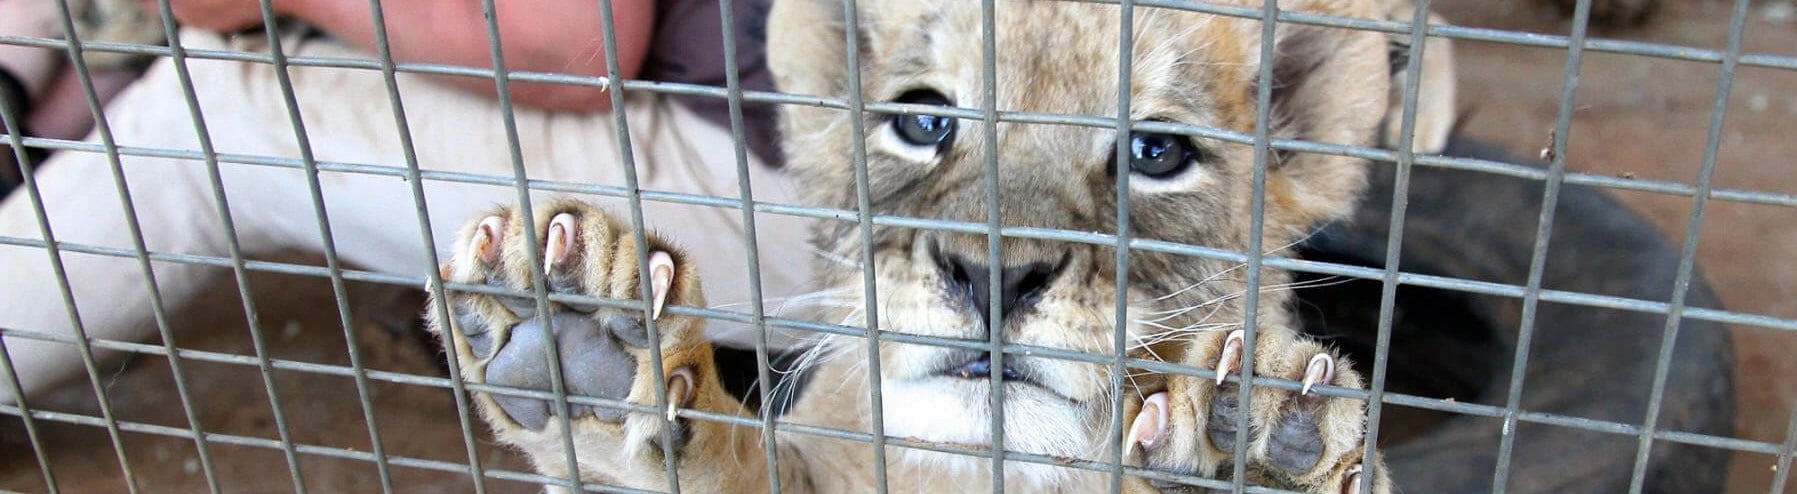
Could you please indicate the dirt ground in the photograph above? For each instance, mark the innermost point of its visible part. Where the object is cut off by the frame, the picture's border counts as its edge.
(1635, 117)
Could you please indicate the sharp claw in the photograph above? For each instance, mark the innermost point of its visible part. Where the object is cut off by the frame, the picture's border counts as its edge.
(661, 275)
(1321, 369)
(560, 241)
(1150, 422)
(1351, 481)
(488, 238)
(1232, 355)
(680, 389)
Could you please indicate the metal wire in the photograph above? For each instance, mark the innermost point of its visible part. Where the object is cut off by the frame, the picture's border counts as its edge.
(1423, 403)
(1225, 135)
(1257, 220)
(1517, 38)
(751, 244)
(1544, 227)
(24, 412)
(342, 453)
(207, 154)
(428, 242)
(1126, 19)
(1687, 262)
(1394, 241)
(627, 159)
(851, 21)
(1295, 265)
(995, 310)
(159, 313)
(328, 243)
(1782, 466)
(987, 112)
(527, 214)
(8, 117)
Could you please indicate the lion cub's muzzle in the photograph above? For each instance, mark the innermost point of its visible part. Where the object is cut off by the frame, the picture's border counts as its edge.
(1021, 284)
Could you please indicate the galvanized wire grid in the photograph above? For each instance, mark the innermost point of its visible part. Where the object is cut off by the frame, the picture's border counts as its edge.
(1531, 293)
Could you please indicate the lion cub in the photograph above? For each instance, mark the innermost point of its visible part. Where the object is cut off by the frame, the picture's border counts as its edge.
(1330, 85)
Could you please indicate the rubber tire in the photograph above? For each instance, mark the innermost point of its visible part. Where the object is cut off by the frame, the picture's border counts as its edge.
(1584, 362)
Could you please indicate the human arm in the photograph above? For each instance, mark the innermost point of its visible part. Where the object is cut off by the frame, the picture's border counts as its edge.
(560, 36)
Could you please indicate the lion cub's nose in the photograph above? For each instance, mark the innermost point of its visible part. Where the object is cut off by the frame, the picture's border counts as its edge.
(1021, 286)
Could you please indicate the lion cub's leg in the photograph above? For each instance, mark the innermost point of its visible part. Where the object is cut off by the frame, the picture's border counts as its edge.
(1297, 439)
(603, 352)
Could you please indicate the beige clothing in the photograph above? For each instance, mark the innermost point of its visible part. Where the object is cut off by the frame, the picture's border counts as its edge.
(348, 119)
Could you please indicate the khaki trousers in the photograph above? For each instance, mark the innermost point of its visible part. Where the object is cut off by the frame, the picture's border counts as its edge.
(372, 218)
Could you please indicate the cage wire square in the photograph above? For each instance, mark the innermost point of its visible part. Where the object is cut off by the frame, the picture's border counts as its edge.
(378, 446)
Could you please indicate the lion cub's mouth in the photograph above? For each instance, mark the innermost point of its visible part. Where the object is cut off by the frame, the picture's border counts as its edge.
(981, 368)
(976, 368)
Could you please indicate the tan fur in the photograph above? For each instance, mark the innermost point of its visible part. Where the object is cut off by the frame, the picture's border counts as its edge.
(1436, 112)
(1331, 85)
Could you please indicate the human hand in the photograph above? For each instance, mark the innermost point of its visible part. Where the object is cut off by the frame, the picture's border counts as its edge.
(216, 15)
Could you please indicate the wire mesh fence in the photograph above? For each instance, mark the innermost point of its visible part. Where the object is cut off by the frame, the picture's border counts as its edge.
(417, 173)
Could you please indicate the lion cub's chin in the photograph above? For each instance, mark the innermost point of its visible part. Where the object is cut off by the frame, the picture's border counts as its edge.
(956, 411)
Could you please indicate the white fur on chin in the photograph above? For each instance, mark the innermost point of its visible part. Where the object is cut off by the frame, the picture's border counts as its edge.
(945, 410)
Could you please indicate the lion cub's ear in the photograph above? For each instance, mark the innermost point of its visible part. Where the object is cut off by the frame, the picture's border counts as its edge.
(1436, 110)
(1329, 85)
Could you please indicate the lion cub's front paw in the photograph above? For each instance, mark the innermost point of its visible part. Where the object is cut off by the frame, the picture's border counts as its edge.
(1296, 440)
(603, 352)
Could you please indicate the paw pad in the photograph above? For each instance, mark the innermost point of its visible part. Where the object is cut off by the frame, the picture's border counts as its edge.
(598, 349)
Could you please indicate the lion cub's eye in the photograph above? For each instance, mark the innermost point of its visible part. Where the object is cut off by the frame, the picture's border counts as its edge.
(1161, 155)
(924, 130)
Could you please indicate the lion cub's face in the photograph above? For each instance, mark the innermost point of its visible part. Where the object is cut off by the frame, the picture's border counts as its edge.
(1057, 57)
